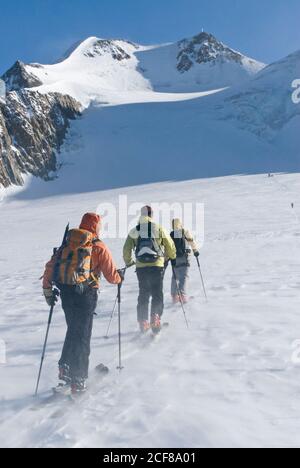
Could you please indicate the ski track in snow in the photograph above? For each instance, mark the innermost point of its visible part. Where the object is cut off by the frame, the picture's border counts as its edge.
(229, 381)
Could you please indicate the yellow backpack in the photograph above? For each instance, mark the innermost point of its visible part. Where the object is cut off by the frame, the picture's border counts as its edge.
(75, 259)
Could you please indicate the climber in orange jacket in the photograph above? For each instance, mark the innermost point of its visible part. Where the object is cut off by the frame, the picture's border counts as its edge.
(75, 269)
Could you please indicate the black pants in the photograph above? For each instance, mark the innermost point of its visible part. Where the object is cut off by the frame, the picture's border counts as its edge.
(79, 311)
(151, 285)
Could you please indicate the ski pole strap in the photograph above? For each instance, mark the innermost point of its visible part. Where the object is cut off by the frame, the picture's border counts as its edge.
(55, 296)
(122, 272)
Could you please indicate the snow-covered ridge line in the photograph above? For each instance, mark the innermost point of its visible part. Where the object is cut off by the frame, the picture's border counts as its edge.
(97, 66)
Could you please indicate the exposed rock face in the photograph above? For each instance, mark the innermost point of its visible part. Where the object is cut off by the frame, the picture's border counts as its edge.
(102, 47)
(204, 48)
(9, 171)
(17, 77)
(32, 129)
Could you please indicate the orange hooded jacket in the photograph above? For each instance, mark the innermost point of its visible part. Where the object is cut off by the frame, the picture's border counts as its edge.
(102, 261)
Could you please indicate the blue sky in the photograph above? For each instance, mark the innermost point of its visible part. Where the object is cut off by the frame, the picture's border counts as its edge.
(42, 30)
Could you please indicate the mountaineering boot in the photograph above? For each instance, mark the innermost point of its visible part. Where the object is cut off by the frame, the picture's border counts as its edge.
(64, 374)
(64, 385)
(78, 387)
(144, 326)
(155, 324)
(62, 389)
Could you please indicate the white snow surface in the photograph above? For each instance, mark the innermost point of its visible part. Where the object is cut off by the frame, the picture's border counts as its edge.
(228, 381)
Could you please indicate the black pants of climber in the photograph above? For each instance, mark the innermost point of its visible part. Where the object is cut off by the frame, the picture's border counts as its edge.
(151, 286)
(79, 312)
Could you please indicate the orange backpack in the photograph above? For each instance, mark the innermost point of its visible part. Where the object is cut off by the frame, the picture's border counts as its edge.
(75, 259)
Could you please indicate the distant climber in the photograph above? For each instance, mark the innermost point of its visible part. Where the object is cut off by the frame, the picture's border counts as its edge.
(185, 245)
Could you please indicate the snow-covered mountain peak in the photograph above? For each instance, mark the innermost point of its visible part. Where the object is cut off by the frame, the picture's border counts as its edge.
(206, 48)
(93, 47)
(199, 63)
(18, 77)
(106, 70)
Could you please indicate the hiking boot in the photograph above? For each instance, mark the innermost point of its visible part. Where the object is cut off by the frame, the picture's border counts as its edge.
(78, 387)
(62, 389)
(144, 326)
(155, 323)
(64, 374)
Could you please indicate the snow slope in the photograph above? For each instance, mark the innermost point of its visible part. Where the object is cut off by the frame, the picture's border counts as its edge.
(264, 105)
(146, 142)
(229, 381)
(137, 135)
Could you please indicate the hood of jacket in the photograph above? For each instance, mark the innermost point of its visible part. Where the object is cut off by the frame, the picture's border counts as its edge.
(91, 222)
(177, 224)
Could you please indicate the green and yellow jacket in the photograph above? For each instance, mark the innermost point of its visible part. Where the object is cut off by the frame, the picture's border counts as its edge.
(163, 240)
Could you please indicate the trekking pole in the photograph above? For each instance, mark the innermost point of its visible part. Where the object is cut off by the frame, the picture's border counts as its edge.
(120, 367)
(202, 280)
(111, 318)
(180, 297)
(115, 305)
(55, 295)
(122, 272)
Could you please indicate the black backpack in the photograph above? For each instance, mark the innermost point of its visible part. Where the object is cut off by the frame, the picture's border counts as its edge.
(147, 248)
(180, 244)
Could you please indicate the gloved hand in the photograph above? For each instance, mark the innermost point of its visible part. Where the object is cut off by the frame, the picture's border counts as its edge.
(122, 273)
(173, 263)
(197, 254)
(51, 296)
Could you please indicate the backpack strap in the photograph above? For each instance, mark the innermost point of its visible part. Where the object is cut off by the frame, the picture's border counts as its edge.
(94, 277)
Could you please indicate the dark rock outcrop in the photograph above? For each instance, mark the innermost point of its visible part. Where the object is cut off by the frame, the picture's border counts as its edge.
(204, 48)
(17, 77)
(102, 47)
(33, 127)
(9, 171)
